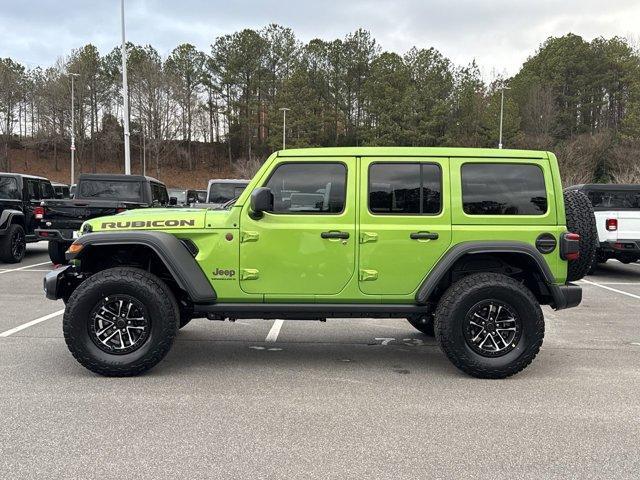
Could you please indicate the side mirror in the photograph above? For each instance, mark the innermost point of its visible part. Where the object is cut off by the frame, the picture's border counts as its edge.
(261, 201)
(173, 201)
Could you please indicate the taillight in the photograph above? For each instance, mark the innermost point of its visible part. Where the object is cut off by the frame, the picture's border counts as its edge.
(612, 224)
(38, 212)
(570, 246)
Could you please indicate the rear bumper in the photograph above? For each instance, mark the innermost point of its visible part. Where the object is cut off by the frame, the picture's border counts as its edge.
(65, 235)
(566, 296)
(621, 246)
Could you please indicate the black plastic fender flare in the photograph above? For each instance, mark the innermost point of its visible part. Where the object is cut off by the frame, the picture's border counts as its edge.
(6, 217)
(173, 253)
(446, 262)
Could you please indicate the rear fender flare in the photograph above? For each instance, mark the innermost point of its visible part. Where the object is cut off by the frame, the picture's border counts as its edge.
(7, 216)
(449, 259)
(181, 264)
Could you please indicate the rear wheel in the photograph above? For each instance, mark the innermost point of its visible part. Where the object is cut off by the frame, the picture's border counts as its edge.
(489, 325)
(121, 321)
(57, 251)
(581, 220)
(13, 244)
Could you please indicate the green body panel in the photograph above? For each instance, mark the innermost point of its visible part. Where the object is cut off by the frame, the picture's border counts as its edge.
(282, 257)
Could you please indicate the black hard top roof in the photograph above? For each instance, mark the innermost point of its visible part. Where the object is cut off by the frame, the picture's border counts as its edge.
(606, 186)
(23, 175)
(117, 176)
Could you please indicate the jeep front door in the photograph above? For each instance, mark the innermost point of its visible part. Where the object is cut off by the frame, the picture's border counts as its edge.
(305, 246)
(405, 222)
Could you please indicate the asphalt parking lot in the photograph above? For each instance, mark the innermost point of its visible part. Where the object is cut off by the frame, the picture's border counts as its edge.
(341, 399)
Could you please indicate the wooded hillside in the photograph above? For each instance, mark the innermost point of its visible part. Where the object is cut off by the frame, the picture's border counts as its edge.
(216, 113)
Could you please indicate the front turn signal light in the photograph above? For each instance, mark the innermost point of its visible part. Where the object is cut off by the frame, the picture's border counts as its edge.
(75, 248)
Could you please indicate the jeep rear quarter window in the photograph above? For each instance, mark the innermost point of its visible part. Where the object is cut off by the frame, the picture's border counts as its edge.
(9, 189)
(404, 188)
(308, 187)
(503, 189)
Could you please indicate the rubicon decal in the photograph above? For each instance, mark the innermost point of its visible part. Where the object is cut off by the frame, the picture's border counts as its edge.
(149, 223)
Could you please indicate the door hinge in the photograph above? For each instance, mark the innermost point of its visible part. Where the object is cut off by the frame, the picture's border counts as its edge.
(368, 275)
(249, 274)
(367, 237)
(249, 237)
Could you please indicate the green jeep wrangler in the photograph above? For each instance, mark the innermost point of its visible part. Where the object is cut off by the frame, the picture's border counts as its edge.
(466, 244)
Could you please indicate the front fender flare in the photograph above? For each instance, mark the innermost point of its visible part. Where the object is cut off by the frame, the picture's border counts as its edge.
(175, 256)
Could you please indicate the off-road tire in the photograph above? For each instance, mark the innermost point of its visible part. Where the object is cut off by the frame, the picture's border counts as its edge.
(459, 300)
(581, 220)
(150, 291)
(57, 251)
(422, 323)
(13, 237)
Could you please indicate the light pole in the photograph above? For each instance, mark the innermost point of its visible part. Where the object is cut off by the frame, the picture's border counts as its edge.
(284, 111)
(125, 95)
(73, 130)
(502, 111)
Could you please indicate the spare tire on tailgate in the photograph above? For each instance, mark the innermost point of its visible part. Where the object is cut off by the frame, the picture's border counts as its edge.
(581, 220)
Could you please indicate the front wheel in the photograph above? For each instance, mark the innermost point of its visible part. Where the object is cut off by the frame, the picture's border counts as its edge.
(489, 325)
(121, 321)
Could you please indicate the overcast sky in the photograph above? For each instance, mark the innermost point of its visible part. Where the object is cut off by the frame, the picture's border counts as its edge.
(499, 34)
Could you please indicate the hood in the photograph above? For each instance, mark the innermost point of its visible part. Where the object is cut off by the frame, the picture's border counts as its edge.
(148, 219)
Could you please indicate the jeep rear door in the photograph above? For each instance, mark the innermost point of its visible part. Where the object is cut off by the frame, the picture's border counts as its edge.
(305, 246)
(405, 222)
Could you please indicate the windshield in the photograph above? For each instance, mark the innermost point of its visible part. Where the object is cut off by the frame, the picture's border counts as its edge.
(223, 192)
(615, 199)
(110, 189)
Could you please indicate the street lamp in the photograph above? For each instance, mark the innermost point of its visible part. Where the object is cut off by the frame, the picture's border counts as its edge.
(284, 111)
(125, 94)
(502, 111)
(73, 134)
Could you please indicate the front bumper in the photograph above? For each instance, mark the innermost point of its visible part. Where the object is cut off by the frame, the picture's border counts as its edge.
(56, 282)
(566, 296)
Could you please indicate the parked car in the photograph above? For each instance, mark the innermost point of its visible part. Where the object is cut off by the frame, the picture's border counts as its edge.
(617, 212)
(61, 190)
(464, 243)
(200, 196)
(97, 195)
(20, 212)
(220, 191)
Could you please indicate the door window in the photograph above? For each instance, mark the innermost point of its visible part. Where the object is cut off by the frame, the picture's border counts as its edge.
(405, 188)
(33, 190)
(46, 190)
(308, 188)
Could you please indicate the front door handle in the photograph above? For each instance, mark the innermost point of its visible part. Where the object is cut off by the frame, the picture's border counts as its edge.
(424, 236)
(335, 234)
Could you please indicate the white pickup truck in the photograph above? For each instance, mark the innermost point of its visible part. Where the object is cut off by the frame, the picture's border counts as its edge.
(617, 211)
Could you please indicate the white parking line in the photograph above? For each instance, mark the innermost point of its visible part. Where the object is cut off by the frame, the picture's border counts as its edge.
(612, 289)
(272, 336)
(31, 323)
(25, 267)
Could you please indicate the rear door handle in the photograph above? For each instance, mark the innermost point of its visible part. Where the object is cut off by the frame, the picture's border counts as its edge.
(335, 234)
(424, 236)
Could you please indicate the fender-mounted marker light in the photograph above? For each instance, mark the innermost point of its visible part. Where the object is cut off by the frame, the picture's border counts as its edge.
(75, 248)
